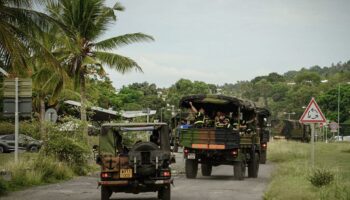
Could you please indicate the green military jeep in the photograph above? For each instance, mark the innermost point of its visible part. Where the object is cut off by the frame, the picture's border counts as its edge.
(134, 158)
(238, 144)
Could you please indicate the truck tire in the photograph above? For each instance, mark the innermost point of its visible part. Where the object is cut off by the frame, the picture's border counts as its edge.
(253, 166)
(206, 169)
(262, 159)
(164, 193)
(191, 168)
(239, 170)
(106, 193)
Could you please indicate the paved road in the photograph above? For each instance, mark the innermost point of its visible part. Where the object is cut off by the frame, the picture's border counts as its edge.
(220, 185)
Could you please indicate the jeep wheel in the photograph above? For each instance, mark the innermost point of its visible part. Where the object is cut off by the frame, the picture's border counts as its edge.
(33, 148)
(206, 169)
(191, 168)
(239, 170)
(106, 193)
(164, 193)
(253, 166)
(263, 158)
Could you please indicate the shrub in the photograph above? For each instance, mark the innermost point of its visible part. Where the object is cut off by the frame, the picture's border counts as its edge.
(321, 177)
(3, 187)
(52, 170)
(69, 146)
(30, 128)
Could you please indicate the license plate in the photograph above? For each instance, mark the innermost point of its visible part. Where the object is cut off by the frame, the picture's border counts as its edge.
(191, 156)
(125, 173)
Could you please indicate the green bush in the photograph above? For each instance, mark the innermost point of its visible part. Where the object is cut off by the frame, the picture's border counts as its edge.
(3, 187)
(321, 177)
(69, 146)
(52, 170)
(30, 128)
(31, 172)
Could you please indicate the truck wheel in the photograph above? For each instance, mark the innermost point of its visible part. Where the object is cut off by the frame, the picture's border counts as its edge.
(262, 159)
(164, 193)
(239, 170)
(106, 193)
(206, 169)
(191, 168)
(253, 166)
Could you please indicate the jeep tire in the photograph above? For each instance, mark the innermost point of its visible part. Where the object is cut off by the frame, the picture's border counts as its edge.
(164, 193)
(106, 193)
(239, 170)
(191, 168)
(253, 166)
(206, 169)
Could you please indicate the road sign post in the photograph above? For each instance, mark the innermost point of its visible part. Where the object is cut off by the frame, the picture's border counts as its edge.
(312, 115)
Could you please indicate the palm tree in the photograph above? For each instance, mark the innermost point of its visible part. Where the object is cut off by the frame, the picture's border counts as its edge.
(18, 23)
(48, 82)
(87, 20)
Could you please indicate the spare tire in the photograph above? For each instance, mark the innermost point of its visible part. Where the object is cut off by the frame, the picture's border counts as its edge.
(144, 146)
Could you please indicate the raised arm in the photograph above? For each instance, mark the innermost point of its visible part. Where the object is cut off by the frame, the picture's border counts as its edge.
(193, 108)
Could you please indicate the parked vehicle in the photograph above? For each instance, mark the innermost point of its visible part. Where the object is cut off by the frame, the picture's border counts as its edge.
(134, 158)
(291, 130)
(264, 131)
(7, 143)
(210, 146)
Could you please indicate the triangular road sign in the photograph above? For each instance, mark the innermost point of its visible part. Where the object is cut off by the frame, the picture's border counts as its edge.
(312, 114)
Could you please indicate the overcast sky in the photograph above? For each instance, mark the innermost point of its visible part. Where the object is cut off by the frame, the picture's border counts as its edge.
(225, 41)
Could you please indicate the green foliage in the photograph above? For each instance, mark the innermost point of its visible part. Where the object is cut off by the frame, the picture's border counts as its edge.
(293, 171)
(34, 171)
(30, 128)
(3, 186)
(321, 177)
(68, 144)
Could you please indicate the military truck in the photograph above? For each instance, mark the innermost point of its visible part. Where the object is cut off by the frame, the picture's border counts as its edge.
(134, 158)
(291, 130)
(264, 131)
(210, 146)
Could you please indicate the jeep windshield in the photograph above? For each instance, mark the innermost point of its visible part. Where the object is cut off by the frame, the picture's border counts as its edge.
(120, 138)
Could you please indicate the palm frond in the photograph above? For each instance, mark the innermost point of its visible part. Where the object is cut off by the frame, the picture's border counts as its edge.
(122, 40)
(120, 63)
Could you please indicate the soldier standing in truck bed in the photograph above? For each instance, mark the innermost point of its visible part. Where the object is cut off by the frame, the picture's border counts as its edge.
(199, 116)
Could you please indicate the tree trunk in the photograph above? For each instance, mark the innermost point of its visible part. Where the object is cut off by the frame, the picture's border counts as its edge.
(42, 117)
(83, 116)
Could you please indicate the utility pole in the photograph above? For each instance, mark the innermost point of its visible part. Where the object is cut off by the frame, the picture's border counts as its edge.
(338, 107)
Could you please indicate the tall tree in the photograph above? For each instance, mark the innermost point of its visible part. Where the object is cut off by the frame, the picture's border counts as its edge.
(87, 21)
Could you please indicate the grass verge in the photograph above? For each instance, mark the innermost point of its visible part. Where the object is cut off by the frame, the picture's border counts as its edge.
(32, 171)
(291, 179)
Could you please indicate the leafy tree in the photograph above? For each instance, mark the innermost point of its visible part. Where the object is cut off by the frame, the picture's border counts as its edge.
(19, 24)
(83, 54)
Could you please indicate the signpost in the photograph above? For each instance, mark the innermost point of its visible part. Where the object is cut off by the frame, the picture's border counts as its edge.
(14, 89)
(312, 115)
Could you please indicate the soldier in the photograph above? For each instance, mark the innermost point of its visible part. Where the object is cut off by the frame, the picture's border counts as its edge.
(199, 117)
